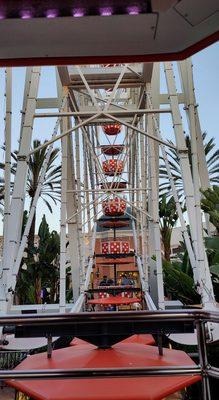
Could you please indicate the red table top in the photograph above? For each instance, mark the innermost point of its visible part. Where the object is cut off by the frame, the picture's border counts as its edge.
(121, 355)
(117, 300)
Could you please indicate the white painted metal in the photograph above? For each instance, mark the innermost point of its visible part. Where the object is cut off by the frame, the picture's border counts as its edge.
(128, 112)
(175, 195)
(60, 136)
(19, 190)
(191, 185)
(137, 129)
(186, 75)
(7, 171)
(137, 108)
(144, 284)
(80, 300)
(32, 211)
(144, 223)
(72, 224)
(63, 212)
(153, 206)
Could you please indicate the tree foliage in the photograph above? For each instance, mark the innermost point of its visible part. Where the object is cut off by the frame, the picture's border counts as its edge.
(168, 218)
(212, 158)
(51, 188)
(41, 266)
(210, 205)
(179, 284)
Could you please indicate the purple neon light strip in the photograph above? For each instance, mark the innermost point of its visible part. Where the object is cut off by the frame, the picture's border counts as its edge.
(78, 12)
(106, 11)
(53, 13)
(26, 14)
(133, 10)
(30, 12)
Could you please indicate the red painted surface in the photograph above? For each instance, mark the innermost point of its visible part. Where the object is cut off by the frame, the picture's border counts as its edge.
(114, 185)
(113, 167)
(115, 247)
(114, 224)
(114, 207)
(112, 150)
(112, 129)
(117, 300)
(143, 339)
(76, 341)
(121, 355)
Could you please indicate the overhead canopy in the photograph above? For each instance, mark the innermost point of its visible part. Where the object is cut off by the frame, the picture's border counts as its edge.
(65, 32)
(121, 355)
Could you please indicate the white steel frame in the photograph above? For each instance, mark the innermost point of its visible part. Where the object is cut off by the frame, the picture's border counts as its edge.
(80, 110)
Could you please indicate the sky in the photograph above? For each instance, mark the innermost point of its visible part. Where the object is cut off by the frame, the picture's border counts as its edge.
(206, 78)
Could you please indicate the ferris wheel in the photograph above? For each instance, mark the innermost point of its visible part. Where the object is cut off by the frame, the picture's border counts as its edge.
(108, 114)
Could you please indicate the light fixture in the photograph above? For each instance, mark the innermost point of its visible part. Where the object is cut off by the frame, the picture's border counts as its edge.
(106, 11)
(52, 13)
(133, 10)
(26, 14)
(78, 12)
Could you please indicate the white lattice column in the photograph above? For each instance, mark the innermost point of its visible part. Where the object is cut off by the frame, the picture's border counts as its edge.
(63, 215)
(205, 277)
(190, 183)
(144, 223)
(18, 197)
(7, 171)
(185, 70)
(153, 208)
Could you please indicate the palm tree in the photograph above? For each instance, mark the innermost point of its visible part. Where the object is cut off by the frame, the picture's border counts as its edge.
(210, 205)
(178, 284)
(212, 157)
(51, 188)
(168, 218)
(41, 267)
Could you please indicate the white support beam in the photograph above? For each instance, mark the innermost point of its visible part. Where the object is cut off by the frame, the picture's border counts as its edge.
(128, 112)
(185, 70)
(154, 210)
(144, 284)
(73, 224)
(63, 213)
(206, 286)
(58, 137)
(191, 182)
(19, 191)
(32, 211)
(137, 129)
(183, 156)
(7, 169)
(46, 103)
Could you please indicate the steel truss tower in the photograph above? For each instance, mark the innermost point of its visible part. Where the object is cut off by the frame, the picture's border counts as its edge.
(89, 97)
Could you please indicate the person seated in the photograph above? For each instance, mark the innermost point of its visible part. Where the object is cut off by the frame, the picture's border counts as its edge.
(125, 281)
(110, 282)
(104, 281)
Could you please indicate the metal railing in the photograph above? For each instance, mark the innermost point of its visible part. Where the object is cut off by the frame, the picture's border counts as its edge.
(198, 317)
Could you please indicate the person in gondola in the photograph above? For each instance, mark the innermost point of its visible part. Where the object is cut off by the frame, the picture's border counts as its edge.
(104, 281)
(110, 282)
(125, 281)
